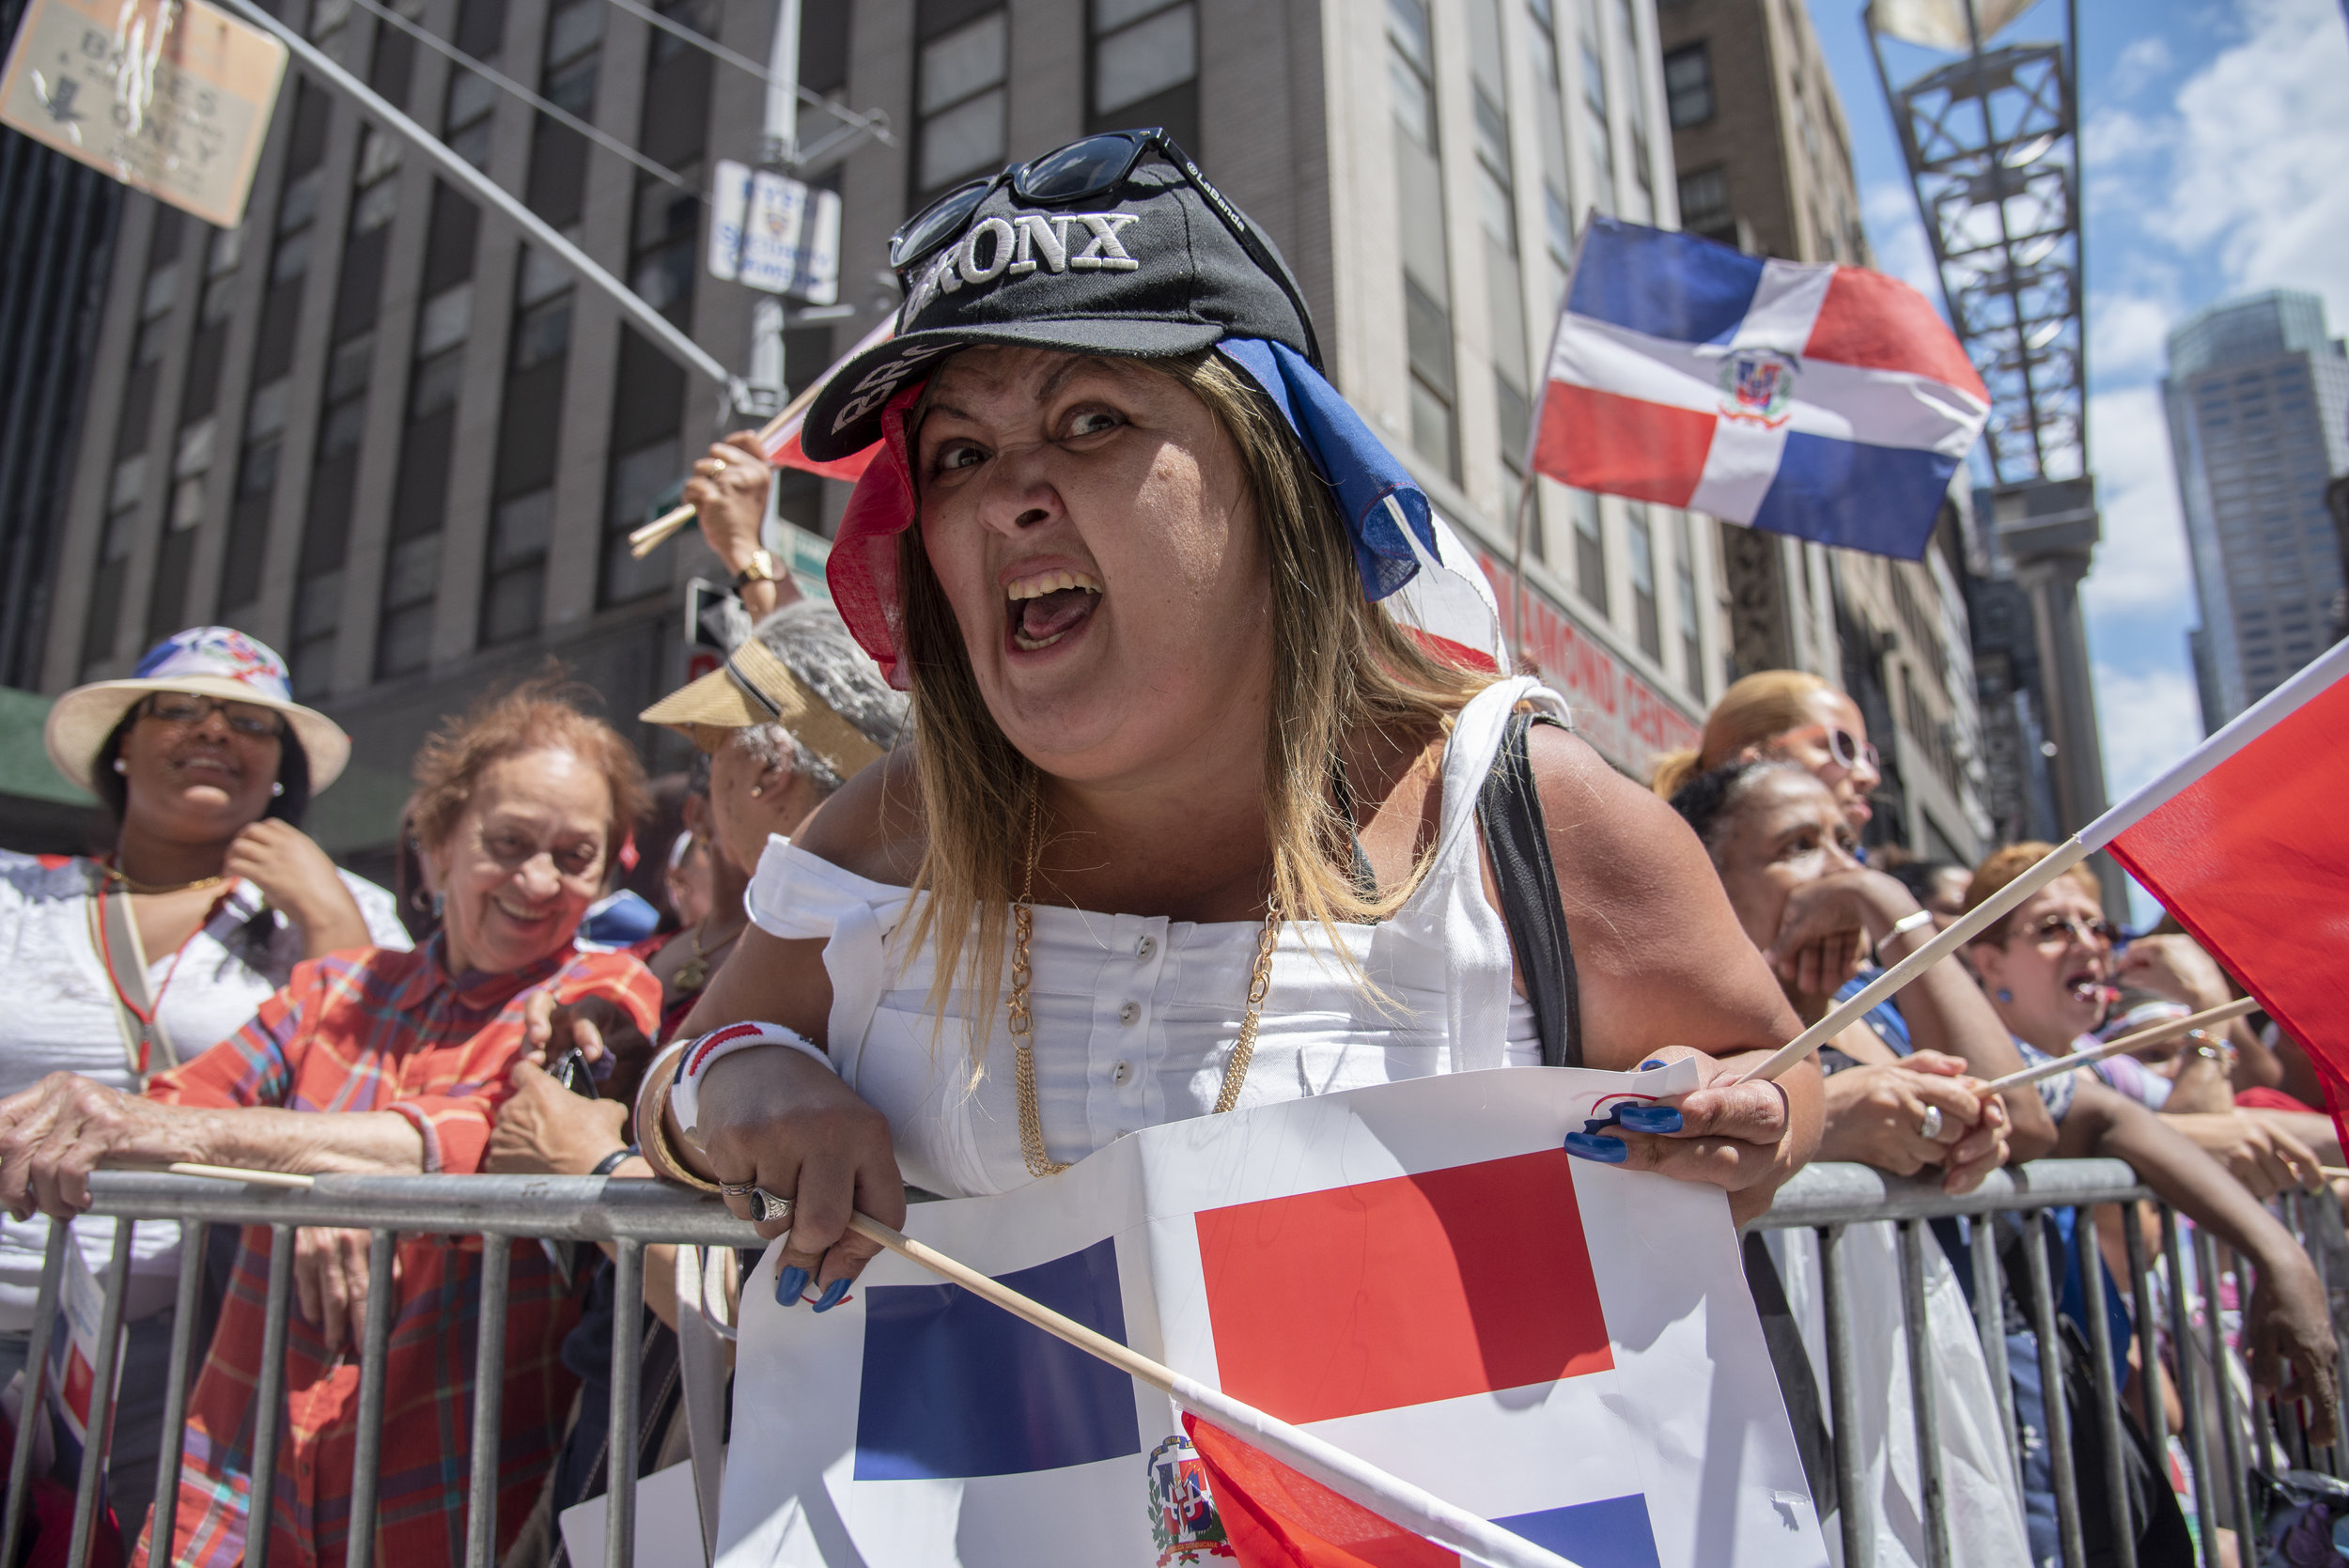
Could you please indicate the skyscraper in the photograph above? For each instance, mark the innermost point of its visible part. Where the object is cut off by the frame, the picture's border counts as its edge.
(2258, 398)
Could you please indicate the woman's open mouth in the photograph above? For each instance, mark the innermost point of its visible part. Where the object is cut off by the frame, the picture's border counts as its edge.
(2088, 986)
(1047, 606)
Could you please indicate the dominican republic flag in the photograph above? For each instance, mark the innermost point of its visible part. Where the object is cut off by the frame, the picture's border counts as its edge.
(1415, 1273)
(2246, 842)
(1827, 402)
(780, 438)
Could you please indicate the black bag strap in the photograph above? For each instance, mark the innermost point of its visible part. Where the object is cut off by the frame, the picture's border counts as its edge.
(1510, 815)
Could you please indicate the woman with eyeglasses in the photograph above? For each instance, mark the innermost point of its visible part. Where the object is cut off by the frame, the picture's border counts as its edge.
(2049, 970)
(1188, 814)
(124, 964)
(1787, 716)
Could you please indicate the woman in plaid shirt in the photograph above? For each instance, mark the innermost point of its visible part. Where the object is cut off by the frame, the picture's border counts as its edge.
(520, 811)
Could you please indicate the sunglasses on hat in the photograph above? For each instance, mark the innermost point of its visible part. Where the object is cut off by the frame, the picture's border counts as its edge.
(1085, 168)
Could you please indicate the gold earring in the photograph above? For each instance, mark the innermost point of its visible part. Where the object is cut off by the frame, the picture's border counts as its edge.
(757, 790)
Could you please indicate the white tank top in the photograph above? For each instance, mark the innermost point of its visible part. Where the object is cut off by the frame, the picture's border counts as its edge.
(1135, 1015)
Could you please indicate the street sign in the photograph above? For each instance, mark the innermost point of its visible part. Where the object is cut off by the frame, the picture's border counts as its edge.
(774, 233)
(170, 96)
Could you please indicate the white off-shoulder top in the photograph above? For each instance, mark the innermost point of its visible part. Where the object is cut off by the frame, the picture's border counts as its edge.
(1134, 1016)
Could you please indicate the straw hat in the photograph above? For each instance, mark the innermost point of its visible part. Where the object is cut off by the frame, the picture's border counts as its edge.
(753, 687)
(209, 660)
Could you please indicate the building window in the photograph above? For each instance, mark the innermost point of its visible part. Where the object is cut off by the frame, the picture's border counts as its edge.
(412, 573)
(468, 121)
(1689, 85)
(1590, 551)
(1597, 127)
(1705, 205)
(557, 185)
(1641, 535)
(961, 99)
(1685, 594)
(1426, 276)
(538, 359)
(190, 465)
(1145, 67)
(123, 495)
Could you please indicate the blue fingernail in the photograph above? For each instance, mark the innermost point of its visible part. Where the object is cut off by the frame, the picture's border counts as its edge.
(1591, 1145)
(791, 1284)
(1652, 1062)
(833, 1293)
(1649, 1118)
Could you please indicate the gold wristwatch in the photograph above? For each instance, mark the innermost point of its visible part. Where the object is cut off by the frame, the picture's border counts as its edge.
(759, 568)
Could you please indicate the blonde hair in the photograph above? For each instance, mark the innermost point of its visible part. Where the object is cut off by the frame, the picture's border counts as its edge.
(1340, 664)
(2008, 862)
(1758, 708)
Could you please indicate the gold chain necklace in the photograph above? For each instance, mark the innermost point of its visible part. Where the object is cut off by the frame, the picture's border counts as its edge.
(693, 973)
(131, 884)
(1023, 1023)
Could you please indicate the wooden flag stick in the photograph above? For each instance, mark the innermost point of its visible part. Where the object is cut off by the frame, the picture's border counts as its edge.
(644, 540)
(1389, 1497)
(237, 1173)
(2127, 1043)
(1974, 922)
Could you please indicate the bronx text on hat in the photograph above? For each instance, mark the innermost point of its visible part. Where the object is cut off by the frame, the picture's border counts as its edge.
(881, 383)
(1024, 243)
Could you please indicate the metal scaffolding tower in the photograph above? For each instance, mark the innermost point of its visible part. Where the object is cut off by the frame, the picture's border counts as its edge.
(1991, 143)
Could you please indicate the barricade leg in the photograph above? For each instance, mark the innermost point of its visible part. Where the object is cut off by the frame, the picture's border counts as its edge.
(2189, 1392)
(2091, 1266)
(185, 1305)
(269, 1397)
(1856, 1510)
(35, 1372)
(101, 1397)
(489, 1398)
(2223, 1380)
(2052, 1411)
(628, 1295)
(373, 1348)
(1990, 1327)
(2149, 1379)
(1924, 1395)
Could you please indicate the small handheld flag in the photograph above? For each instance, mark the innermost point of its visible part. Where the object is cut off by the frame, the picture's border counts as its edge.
(778, 439)
(2244, 840)
(1824, 401)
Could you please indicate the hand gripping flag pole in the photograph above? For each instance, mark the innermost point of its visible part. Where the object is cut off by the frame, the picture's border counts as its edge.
(2249, 729)
(1356, 1481)
(778, 439)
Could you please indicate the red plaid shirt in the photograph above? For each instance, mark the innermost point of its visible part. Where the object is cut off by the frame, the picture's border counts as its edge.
(383, 1030)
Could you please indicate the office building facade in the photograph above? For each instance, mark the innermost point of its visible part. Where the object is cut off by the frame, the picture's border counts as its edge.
(379, 429)
(2258, 399)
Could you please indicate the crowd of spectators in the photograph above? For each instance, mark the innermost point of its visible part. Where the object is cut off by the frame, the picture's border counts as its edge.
(213, 990)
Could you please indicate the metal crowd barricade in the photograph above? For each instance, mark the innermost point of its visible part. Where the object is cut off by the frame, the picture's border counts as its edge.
(1828, 1199)
(631, 1214)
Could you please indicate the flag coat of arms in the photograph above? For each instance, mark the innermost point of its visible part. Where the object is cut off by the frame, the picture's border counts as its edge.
(1827, 402)
(1415, 1272)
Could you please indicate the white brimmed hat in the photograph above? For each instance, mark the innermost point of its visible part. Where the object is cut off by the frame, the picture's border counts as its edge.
(209, 660)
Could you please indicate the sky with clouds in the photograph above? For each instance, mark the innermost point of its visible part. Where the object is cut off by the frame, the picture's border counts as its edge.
(2215, 143)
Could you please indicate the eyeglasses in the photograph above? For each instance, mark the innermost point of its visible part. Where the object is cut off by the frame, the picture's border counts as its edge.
(1084, 168)
(2056, 929)
(1849, 751)
(188, 710)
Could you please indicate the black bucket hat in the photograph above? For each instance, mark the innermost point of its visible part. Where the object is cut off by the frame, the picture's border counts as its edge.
(1091, 249)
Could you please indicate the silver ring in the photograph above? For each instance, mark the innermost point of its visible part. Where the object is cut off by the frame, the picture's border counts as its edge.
(738, 1189)
(1930, 1128)
(766, 1206)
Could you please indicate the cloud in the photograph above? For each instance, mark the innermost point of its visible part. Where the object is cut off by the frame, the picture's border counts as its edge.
(1898, 237)
(2148, 720)
(2127, 335)
(2254, 154)
(2141, 566)
(2144, 60)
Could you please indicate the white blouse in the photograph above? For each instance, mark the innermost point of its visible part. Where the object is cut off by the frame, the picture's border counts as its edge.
(60, 1017)
(1135, 1015)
